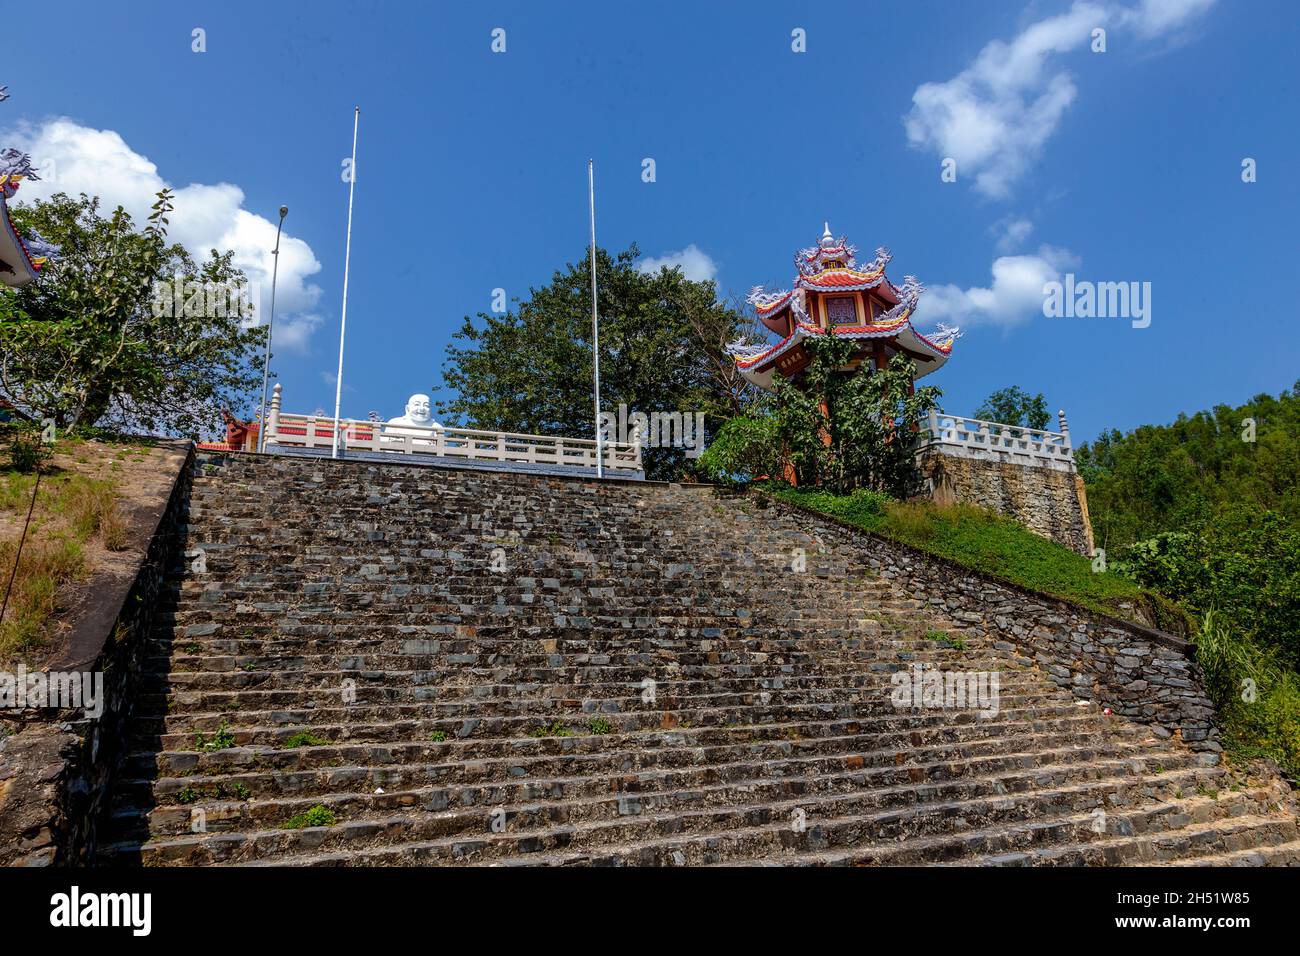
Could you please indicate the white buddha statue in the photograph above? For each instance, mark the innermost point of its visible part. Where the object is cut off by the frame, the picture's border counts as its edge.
(416, 421)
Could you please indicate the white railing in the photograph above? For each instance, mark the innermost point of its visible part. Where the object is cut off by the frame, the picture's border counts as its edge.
(973, 438)
(317, 431)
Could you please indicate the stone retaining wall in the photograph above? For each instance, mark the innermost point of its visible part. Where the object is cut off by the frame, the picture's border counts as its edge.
(1047, 501)
(1138, 672)
(56, 766)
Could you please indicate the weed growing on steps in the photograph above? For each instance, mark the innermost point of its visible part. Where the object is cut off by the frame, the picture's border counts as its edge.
(221, 739)
(438, 736)
(557, 729)
(947, 640)
(599, 725)
(304, 739)
(317, 816)
(221, 791)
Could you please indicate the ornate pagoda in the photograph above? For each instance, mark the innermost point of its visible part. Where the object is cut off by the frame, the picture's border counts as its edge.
(833, 294)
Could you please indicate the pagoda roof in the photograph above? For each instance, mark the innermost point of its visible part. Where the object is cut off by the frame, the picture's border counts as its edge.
(843, 280)
(831, 267)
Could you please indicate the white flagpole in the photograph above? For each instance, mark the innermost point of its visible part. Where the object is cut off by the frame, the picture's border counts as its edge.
(347, 261)
(595, 324)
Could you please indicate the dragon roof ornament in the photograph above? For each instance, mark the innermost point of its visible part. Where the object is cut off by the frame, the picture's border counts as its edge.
(812, 260)
(23, 257)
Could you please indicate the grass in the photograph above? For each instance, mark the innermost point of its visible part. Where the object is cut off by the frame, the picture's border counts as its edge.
(985, 541)
(438, 736)
(599, 725)
(72, 510)
(191, 794)
(947, 640)
(317, 816)
(1256, 698)
(557, 729)
(304, 739)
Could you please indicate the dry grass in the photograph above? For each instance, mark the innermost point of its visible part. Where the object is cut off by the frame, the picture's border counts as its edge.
(73, 511)
(46, 567)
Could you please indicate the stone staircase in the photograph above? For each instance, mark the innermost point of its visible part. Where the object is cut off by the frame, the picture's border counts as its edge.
(455, 667)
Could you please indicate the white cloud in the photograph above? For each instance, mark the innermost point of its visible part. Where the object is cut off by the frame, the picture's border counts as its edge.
(72, 158)
(1014, 296)
(994, 117)
(695, 263)
(1155, 17)
(1011, 233)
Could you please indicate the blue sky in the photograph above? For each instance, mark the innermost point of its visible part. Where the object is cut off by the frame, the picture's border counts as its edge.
(1115, 166)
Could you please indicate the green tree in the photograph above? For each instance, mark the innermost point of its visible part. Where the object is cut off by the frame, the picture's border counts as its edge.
(834, 430)
(1015, 406)
(1207, 511)
(84, 346)
(1178, 477)
(662, 349)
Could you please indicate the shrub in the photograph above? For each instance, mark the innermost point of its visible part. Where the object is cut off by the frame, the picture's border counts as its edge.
(744, 449)
(27, 452)
(1257, 699)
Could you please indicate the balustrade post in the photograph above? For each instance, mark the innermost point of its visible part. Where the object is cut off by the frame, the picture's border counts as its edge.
(272, 423)
(1065, 429)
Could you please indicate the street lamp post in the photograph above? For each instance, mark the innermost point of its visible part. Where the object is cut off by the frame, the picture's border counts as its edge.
(266, 361)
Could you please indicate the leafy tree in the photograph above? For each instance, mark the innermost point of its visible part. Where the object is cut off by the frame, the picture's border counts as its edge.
(1015, 406)
(833, 430)
(1178, 477)
(83, 344)
(662, 349)
(1244, 565)
(1207, 511)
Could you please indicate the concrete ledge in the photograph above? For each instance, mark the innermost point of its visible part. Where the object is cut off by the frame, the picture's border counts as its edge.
(463, 464)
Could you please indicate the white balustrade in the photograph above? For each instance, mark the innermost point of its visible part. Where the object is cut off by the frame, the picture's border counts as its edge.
(974, 438)
(317, 431)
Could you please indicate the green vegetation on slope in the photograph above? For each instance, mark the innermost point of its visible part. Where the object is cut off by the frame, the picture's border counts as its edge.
(1256, 698)
(1180, 477)
(987, 542)
(1207, 512)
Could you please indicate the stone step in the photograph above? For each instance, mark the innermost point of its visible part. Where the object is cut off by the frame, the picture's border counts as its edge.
(738, 836)
(642, 792)
(599, 771)
(541, 827)
(796, 735)
(772, 693)
(1043, 706)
